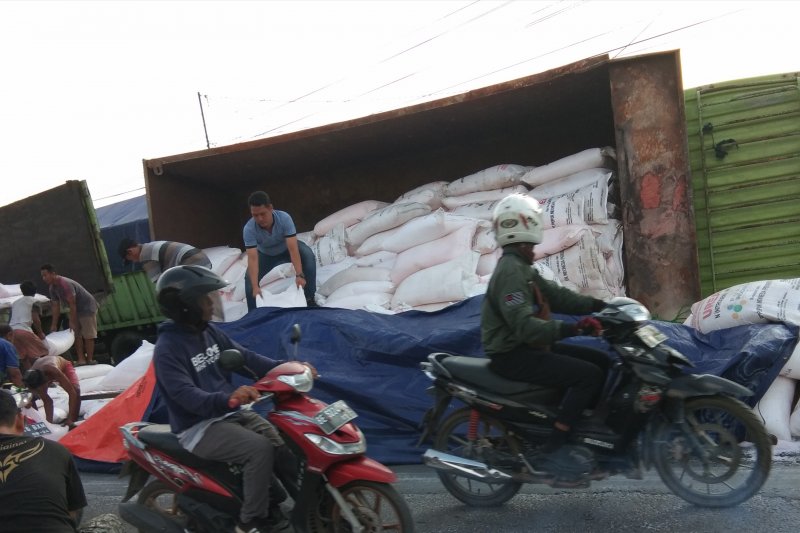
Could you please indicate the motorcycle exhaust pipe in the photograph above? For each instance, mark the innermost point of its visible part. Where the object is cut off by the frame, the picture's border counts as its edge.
(464, 467)
(145, 519)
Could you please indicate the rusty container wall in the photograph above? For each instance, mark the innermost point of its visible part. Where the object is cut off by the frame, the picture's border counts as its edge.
(655, 188)
(200, 197)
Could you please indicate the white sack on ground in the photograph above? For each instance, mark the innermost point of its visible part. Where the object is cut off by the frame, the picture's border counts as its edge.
(572, 183)
(59, 342)
(293, 296)
(424, 229)
(496, 177)
(129, 369)
(384, 219)
(433, 253)
(90, 385)
(556, 239)
(7, 291)
(452, 202)
(347, 216)
(92, 371)
(794, 420)
(331, 247)
(445, 282)
(221, 257)
(56, 430)
(591, 158)
(792, 367)
(351, 275)
(775, 407)
(757, 302)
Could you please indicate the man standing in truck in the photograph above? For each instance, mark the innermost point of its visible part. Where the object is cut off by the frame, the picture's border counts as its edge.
(270, 239)
(82, 311)
(158, 256)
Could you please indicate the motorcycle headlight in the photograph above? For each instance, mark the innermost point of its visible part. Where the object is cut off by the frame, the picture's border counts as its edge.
(302, 382)
(338, 448)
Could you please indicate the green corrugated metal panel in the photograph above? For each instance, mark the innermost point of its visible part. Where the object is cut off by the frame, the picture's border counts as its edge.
(133, 303)
(747, 194)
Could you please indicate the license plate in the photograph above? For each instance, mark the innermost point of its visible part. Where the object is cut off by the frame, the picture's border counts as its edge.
(334, 416)
(650, 336)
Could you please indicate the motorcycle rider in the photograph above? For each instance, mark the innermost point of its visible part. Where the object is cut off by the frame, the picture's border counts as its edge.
(520, 338)
(197, 392)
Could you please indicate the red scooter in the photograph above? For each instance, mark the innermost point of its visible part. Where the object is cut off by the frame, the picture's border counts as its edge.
(332, 485)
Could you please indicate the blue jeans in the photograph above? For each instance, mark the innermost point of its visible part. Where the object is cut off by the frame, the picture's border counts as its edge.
(268, 262)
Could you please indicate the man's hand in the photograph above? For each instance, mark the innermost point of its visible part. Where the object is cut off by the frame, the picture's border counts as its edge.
(589, 326)
(300, 281)
(242, 395)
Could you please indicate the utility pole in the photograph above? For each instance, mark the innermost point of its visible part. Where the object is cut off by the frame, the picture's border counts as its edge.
(203, 116)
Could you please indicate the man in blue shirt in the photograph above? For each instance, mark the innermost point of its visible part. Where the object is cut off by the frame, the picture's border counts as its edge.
(270, 239)
(9, 362)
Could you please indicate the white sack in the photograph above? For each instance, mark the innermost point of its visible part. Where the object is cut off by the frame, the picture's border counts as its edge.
(556, 239)
(484, 241)
(90, 407)
(432, 308)
(581, 267)
(308, 237)
(374, 243)
(366, 301)
(421, 193)
(89, 385)
(445, 282)
(794, 420)
(775, 407)
(546, 272)
(496, 177)
(792, 367)
(56, 430)
(571, 183)
(591, 158)
(347, 216)
(384, 219)
(357, 288)
(488, 262)
(757, 302)
(609, 240)
(328, 271)
(235, 272)
(433, 253)
(282, 271)
(424, 229)
(7, 291)
(351, 275)
(331, 247)
(561, 211)
(129, 369)
(233, 311)
(293, 296)
(59, 342)
(481, 210)
(452, 202)
(221, 257)
(381, 259)
(428, 196)
(91, 371)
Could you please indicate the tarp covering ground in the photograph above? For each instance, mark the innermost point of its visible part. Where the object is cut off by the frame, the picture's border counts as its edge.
(372, 361)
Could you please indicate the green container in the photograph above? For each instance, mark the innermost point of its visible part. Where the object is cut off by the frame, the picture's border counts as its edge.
(744, 151)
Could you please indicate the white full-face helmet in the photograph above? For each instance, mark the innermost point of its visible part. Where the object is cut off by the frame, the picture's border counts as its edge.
(517, 218)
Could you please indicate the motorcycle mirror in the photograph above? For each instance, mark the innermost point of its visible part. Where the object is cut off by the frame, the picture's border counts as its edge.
(295, 334)
(231, 360)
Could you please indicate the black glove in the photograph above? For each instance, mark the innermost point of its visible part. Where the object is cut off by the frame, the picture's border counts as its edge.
(598, 305)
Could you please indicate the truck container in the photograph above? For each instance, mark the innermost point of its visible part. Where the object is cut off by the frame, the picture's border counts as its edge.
(635, 105)
(744, 147)
(60, 226)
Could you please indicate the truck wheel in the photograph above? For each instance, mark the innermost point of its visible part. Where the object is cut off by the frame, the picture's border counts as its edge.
(124, 344)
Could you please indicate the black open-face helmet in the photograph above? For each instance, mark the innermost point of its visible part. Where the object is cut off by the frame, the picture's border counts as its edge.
(179, 290)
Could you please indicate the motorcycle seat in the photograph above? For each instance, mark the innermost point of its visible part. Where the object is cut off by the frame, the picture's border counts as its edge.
(161, 437)
(476, 370)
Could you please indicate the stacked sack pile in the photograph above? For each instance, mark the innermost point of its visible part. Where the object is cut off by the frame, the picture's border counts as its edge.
(434, 245)
(761, 302)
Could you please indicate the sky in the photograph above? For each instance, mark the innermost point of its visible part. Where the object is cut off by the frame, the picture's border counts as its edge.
(90, 89)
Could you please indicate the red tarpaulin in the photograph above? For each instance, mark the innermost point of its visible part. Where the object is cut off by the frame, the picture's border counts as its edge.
(98, 438)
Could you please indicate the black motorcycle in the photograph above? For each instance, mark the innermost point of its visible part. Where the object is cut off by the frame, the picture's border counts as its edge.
(708, 447)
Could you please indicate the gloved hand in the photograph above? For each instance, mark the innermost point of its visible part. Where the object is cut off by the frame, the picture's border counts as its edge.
(589, 326)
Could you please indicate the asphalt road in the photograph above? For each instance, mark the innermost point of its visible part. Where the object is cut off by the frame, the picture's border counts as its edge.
(613, 505)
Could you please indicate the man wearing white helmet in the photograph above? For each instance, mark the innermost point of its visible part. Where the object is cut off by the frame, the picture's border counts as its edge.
(520, 337)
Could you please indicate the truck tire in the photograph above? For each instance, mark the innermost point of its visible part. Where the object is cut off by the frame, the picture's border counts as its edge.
(124, 344)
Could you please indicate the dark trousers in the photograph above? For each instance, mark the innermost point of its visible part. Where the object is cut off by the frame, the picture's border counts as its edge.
(578, 369)
(249, 440)
(268, 262)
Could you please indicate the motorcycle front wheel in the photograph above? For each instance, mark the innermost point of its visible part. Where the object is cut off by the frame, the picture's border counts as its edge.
(378, 507)
(725, 460)
(490, 444)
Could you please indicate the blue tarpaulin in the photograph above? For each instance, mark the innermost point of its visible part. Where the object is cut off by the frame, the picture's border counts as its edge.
(372, 360)
(127, 218)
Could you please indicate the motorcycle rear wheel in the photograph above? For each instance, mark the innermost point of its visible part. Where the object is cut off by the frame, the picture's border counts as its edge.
(160, 497)
(733, 469)
(377, 506)
(491, 439)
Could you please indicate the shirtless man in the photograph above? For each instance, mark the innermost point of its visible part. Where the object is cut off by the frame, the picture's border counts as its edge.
(49, 369)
